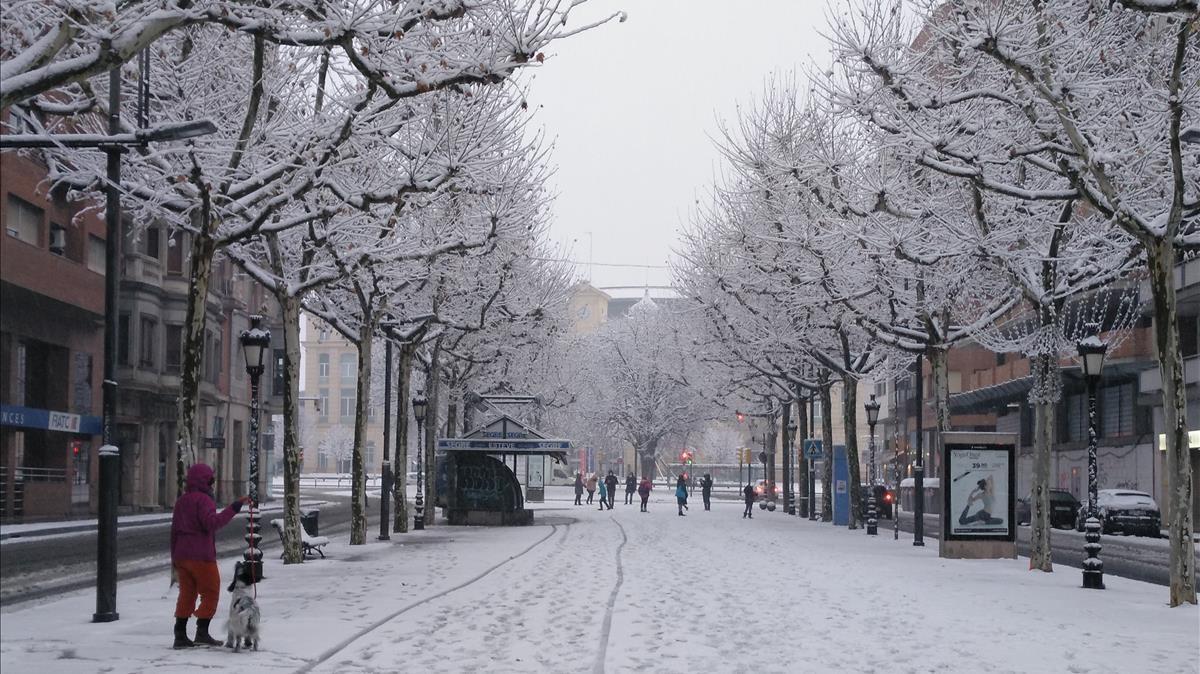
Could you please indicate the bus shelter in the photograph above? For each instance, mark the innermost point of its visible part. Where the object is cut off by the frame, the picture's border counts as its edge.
(478, 486)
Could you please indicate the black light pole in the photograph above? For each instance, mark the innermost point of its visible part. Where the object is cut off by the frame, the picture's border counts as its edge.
(255, 343)
(385, 478)
(1091, 353)
(872, 407)
(419, 404)
(791, 438)
(110, 454)
(919, 471)
(812, 464)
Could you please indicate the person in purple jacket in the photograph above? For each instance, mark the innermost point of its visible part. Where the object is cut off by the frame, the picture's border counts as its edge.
(194, 525)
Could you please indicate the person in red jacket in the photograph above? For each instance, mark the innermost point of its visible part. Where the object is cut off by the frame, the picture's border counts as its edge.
(194, 524)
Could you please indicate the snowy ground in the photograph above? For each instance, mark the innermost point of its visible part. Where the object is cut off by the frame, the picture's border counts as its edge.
(623, 591)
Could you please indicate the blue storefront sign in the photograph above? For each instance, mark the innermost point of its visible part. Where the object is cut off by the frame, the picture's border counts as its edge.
(50, 420)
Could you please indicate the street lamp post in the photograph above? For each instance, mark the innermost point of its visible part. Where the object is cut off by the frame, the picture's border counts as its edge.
(255, 343)
(1091, 353)
(109, 452)
(385, 477)
(419, 505)
(872, 407)
(791, 444)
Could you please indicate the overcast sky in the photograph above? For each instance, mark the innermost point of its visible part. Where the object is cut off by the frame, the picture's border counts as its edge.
(632, 108)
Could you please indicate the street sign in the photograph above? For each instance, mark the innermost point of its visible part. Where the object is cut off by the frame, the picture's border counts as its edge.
(813, 450)
(214, 443)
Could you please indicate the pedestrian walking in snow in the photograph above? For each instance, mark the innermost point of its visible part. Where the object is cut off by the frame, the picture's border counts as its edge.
(644, 491)
(603, 494)
(194, 524)
(681, 494)
(706, 490)
(750, 495)
(630, 487)
(579, 489)
(611, 481)
(591, 487)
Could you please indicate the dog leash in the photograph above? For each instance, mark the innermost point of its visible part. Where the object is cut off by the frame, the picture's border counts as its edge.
(254, 576)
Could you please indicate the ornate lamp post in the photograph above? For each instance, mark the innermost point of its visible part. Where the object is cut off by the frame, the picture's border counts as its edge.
(872, 407)
(255, 343)
(419, 509)
(790, 443)
(1091, 353)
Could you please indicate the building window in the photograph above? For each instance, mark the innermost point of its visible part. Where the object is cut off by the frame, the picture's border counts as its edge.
(277, 384)
(174, 349)
(123, 337)
(95, 254)
(148, 342)
(23, 221)
(369, 459)
(1116, 410)
(218, 360)
(175, 253)
(58, 239)
(346, 361)
(150, 242)
(346, 403)
(323, 367)
(1076, 426)
(323, 403)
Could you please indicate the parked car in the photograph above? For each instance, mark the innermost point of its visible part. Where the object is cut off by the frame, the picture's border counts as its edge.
(1063, 509)
(884, 500)
(1125, 511)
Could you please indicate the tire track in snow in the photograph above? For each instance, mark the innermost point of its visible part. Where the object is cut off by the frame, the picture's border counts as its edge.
(598, 668)
(324, 657)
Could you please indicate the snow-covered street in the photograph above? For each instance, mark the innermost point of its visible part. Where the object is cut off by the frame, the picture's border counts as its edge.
(615, 591)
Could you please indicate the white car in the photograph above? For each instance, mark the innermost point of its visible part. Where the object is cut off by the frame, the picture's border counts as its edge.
(1126, 511)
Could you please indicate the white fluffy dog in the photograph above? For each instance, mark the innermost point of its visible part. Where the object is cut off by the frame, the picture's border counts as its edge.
(243, 610)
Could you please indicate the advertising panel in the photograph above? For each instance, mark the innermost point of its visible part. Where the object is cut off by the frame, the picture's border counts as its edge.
(979, 491)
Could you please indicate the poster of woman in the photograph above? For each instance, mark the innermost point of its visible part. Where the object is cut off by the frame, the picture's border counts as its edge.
(979, 491)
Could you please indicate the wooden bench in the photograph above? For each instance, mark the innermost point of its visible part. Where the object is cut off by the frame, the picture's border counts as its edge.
(310, 544)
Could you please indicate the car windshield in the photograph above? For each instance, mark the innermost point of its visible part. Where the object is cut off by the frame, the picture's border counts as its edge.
(1062, 496)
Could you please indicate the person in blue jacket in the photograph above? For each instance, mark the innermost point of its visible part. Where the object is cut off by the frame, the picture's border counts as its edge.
(681, 494)
(603, 493)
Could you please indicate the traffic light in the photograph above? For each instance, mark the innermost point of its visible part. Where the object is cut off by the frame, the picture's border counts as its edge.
(762, 457)
(740, 417)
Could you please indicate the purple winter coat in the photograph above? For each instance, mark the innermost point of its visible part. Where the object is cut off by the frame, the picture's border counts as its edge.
(195, 520)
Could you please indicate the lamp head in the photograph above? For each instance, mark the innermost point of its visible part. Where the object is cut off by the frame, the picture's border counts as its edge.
(872, 407)
(255, 342)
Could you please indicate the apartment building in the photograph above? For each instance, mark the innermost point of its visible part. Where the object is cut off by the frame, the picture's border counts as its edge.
(51, 357)
(328, 403)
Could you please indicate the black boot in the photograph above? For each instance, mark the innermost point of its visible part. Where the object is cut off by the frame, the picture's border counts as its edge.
(181, 639)
(202, 636)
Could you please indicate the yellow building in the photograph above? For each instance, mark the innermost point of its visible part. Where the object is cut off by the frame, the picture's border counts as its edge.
(328, 404)
(588, 308)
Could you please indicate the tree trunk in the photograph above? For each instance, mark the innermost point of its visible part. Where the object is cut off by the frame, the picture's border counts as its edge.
(432, 388)
(292, 550)
(200, 271)
(452, 413)
(647, 462)
(403, 409)
(827, 442)
(938, 362)
(1039, 499)
(358, 478)
(1160, 256)
(850, 421)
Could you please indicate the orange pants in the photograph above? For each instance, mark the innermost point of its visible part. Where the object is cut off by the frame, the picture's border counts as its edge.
(197, 577)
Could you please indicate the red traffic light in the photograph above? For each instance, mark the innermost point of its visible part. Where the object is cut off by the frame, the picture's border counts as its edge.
(887, 497)
(740, 417)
